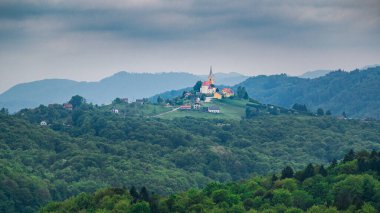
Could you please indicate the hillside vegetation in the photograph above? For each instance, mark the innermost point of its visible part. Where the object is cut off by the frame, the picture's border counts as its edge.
(350, 186)
(356, 93)
(90, 148)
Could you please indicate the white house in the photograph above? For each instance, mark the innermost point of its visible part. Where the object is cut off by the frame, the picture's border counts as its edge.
(116, 111)
(208, 99)
(213, 109)
(43, 123)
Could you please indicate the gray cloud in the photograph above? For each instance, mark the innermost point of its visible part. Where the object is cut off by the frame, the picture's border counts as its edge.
(185, 35)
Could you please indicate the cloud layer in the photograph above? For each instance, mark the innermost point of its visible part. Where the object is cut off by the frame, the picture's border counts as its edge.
(88, 39)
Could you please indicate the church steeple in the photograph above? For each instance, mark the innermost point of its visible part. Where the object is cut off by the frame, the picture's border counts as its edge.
(211, 76)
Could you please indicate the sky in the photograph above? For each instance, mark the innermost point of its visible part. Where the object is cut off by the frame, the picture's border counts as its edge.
(87, 40)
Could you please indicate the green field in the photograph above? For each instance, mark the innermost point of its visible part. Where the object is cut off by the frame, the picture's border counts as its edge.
(229, 109)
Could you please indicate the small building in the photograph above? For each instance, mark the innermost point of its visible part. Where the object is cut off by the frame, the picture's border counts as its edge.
(213, 109)
(185, 107)
(197, 100)
(208, 99)
(217, 95)
(197, 106)
(227, 92)
(116, 111)
(68, 106)
(43, 123)
(140, 101)
(124, 100)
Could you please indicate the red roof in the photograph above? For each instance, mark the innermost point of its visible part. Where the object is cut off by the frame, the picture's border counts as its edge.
(185, 107)
(67, 105)
(206, 83)
(227, 90)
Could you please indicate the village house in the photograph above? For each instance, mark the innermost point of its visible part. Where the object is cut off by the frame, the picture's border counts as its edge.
(227, 92)
(124, 100)
(43, 123)
(217, 95)
(213, 109)
(185, 107)
(197, 106)
(116, 111)
(140, 101)
(208, 99)
(68, 106)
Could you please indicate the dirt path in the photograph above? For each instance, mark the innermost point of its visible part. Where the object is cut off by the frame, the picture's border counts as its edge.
(173, 110)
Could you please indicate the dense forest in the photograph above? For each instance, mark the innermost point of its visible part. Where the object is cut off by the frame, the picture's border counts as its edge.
(349, 186)
(355, 92)
(90, 148)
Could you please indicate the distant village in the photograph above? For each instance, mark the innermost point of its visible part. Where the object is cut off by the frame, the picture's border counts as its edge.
(205, 92)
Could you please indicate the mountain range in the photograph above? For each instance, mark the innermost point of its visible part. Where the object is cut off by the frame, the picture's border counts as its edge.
(121, 84)
(356, 93)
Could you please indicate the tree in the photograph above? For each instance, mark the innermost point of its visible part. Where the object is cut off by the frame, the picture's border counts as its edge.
(160, 100)
(300, 107)
(4, 111)
(77, 100)
(287, 172)
(322, 171)
(242, 93)
(320, 112)
(197, 86)
(350, 156)
(134, 194)
(117, 101)
(144, 194)
(334, 162)
(328, 112)
(309, 172)
(274, 178)
(344, 115)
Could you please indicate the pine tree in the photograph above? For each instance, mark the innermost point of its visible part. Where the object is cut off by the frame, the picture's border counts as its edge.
(322, 171)
(309, 172)
(350, 156)
(144, 194)
(287, 172)
(133, 192)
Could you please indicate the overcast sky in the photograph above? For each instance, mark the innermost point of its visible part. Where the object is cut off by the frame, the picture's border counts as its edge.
(90, 39)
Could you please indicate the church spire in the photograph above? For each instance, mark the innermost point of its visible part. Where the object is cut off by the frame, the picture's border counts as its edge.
(211, 76)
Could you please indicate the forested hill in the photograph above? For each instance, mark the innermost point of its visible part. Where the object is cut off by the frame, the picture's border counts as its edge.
(90, 147)
(351, 186)
(355, 92)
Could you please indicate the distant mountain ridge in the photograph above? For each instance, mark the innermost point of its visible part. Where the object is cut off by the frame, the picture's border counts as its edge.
(357, 92)
(121, 84)
(315, 74)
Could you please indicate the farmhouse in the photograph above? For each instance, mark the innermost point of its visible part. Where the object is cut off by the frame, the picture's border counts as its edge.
(227, 92)
(68, 106)
(185, 107)
(217, 95)
(213, 109)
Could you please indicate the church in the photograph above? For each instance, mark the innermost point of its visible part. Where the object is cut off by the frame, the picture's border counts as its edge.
(208, 86)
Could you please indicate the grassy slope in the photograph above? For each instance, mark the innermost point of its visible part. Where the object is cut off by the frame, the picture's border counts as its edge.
(230, 109)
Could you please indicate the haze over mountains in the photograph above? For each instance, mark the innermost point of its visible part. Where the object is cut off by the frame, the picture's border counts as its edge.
(355, 92)
(121, 84)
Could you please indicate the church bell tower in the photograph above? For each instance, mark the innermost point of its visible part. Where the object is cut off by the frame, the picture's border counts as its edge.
(211, 77)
